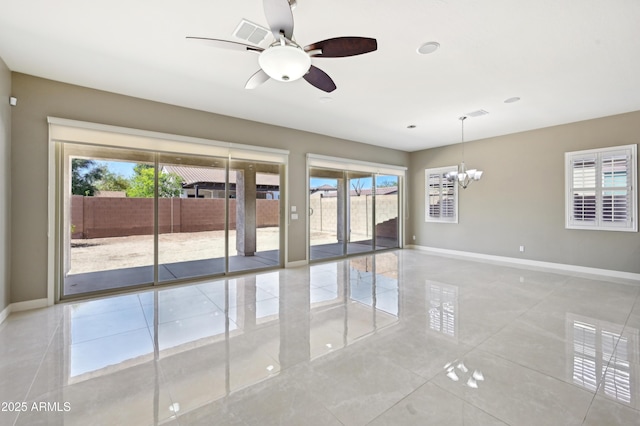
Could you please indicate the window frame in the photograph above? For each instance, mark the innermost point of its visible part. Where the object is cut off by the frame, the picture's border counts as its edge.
(599, 156)
(442, 171)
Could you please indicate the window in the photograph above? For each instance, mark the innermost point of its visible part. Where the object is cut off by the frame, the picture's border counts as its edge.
(600, 189)
(441, 196)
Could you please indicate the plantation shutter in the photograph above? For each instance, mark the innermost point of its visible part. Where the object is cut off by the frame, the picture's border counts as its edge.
(616, 188)
(583, 189)
(601, 193)
(441, 203)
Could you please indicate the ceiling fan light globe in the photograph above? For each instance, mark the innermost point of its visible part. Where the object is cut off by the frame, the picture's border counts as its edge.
(284, 63)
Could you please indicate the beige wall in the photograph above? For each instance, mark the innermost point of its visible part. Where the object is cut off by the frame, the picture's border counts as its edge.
(40, 98)
(520, 199)
(5, 185)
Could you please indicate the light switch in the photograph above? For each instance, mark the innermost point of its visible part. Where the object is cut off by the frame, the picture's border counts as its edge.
(294, 216)
(294, 209)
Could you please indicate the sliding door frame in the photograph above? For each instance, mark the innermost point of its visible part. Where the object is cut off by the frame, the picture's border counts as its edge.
(349, 165)
(62, 131)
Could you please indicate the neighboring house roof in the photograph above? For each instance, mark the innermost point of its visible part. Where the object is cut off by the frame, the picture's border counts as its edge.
(332, 192)
(111, 194)
(383, 190)
(325, 187)
(196, 175)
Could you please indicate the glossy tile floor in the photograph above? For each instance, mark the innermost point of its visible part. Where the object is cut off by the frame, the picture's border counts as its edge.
(402, 337)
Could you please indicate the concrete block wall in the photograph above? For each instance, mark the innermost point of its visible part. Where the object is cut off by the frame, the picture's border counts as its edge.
(267, 213)
(101, 217)
(77, 216)
(206, 214)
(169, 215)
(116, 217)
(324, 217)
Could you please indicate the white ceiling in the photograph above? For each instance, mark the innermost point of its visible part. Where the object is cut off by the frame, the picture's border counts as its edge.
(567, 60)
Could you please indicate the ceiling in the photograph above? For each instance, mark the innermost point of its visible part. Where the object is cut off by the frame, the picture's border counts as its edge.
(567, 60)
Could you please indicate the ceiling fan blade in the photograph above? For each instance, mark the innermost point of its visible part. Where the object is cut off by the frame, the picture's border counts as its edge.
(320, 79)
(256, 79)
(279, 17)
(340, 47)
(225, 44)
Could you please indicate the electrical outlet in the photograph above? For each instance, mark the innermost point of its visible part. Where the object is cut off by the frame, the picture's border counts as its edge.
(521, 249)
(414, 238)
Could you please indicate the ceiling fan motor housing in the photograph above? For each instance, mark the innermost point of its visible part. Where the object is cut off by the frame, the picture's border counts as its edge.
(284, 62)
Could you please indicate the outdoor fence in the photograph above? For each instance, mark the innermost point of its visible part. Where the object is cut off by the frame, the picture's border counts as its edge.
(324, 217)
(100, 217)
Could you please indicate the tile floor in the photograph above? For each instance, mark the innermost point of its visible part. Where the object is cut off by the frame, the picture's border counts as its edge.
(402, 337)
(87, 282)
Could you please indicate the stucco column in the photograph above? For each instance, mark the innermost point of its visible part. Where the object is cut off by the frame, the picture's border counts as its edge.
(246, 212)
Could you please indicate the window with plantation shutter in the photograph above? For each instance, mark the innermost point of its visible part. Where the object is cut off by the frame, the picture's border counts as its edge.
(601, 189)
(441, 196)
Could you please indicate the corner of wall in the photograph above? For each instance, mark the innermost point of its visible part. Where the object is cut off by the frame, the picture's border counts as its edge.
(5, 190)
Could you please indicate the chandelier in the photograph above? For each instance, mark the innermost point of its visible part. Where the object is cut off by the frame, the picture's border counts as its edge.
(463, 176)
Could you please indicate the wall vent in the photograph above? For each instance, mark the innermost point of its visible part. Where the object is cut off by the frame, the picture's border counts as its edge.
(478, 113)
(248, 31)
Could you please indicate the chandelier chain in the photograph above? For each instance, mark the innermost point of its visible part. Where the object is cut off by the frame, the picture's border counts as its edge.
(462, 122)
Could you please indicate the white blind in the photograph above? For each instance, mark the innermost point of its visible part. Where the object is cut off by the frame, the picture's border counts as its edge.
(584, 188)
(616, 188)
(441, 196)
(601, 193)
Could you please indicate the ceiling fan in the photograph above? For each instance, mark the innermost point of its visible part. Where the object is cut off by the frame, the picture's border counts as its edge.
(286, 60)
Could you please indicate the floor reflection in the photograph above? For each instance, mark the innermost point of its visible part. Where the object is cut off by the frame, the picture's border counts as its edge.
(457, 371)
(400, 337)
(602, 358)
(351, 300)
(209, 340)
(443, 308)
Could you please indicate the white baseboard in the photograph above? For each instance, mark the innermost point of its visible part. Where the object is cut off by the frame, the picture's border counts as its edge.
(5, 313)
(531, 263)
(23, 306)
(296, 264)
(29, 304)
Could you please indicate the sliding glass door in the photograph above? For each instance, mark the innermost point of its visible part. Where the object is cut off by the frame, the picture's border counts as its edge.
(107, 231)
(326, 213)
(191, 218)
(360, 212)
(387, 211)
(352, 211)
(131, 218)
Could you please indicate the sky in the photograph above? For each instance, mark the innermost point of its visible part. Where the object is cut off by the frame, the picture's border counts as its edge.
(121, 168)
(366, 183)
